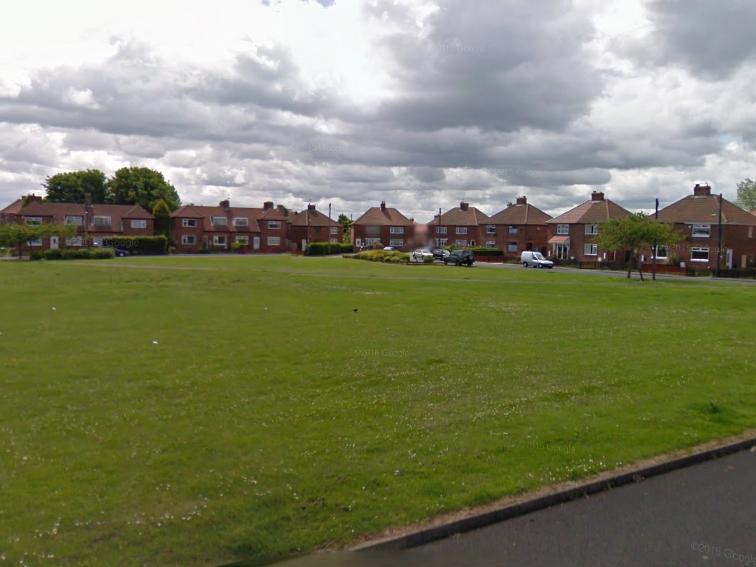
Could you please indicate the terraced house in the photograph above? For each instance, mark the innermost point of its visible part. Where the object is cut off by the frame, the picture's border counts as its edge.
(697, 218)
(198, 228)
(519, 227)
(574, 234)
(463, 227)
(383, 225)
(94, 221)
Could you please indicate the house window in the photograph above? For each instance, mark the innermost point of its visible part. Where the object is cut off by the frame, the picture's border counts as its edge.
(219, 221)
(461, 230)
(461, 243)
(35, 242)
(101, 220)
(396, 242)
(188, 239)
(242, 239)
(397, 230)
(335, 230)
(219, 239)
(512, 229)
(35, 221)
(561, 251)
(76, 220)
(372, 230)
(490, 244)
(189, 223)
(490, 229)
(241, 221)
(440, 230)
(750, 232)
(371, 241)
(661, 252)
(563, 229)
(700, 231)
(590, 249)
(274, 241)
(699, 254)
(274, 225)
(138, 223)
(74, 241)
(591, 229)
(441, 242)
(511, 247)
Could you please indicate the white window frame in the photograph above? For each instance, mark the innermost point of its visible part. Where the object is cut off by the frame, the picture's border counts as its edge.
(274, 241)
(700, 230)
(659, 256)
(188, 239)
(138, 223)
(219, 221)
(74, 241)
(462, 243)
(590, 249)
(35, 242)
(396, 230)
(694, 249)
(102, 220)
(396, 242)
(69, 219)
(513, 229)
(591, 229)
(274, 225)
(441, 242)
(563, 229)
(370, 240)
(189, 223)
(491, 229)
(441, 230)
(461, 230)
(511, 247)
(490, 244)
(241, 221)
(242, 239)
(219, 240)
(335, 231)
(33, 221)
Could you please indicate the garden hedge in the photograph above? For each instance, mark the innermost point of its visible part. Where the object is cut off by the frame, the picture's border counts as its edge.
(326, 248)
(138, 245)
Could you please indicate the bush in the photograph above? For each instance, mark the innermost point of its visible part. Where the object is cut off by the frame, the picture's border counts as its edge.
(138, 245)
(53, 254)
(74, 254)
(428, 259)
(327, 248)
(387, 256)
(480, 251)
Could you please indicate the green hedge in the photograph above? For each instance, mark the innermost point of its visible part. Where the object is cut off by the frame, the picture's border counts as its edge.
(480, 251)
(388, 256)
(138, 245)
(74, 254)
(326, 248)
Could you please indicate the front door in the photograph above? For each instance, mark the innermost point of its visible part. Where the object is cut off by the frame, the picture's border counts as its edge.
(729, 258)
(256, 243)
(54, 242)
(304, 244)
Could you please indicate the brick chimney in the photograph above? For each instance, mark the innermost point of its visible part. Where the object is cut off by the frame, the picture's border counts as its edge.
(597, 196)
(225, 203)
(311, 208)
(267, 205)
(464, 206)
(383, 205)
(701, 190)
(283, 210)
(88, 200)
(522, 200)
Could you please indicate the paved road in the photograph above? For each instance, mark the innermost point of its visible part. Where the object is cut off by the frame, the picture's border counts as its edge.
(702, 515)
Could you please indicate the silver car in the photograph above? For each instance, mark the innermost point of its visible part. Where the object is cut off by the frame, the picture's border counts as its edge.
(532, 259)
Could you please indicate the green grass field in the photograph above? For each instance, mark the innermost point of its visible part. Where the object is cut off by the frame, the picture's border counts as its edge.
(296, 402)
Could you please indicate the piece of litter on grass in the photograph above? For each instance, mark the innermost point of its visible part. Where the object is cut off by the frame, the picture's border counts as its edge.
(54, 308)
(155, 342)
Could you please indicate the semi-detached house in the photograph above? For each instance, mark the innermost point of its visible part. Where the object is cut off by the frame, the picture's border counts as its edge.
(383, 225)
(519, 227)
(462, 227)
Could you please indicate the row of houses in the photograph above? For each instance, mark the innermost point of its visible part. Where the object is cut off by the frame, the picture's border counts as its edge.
(571, 236)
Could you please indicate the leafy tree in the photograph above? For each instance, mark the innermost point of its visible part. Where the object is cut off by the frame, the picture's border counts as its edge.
(72, 186)
(162, 213)
(747, 194)
(15, 235)
(634, 233)
(346, 224)
(143, 186)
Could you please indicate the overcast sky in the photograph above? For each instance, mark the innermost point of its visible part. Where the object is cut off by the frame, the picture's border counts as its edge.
(350, 102)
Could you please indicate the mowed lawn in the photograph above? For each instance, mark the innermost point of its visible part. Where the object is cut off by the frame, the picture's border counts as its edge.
(295, 402)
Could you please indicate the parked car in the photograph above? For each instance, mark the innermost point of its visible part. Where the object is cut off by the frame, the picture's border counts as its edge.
(440, 253)
(389, 248)
(535, 260)
(460, 258)
(420, 255)
(121, 252)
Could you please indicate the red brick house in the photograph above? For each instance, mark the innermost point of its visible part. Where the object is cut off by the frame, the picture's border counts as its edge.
(519, 227)
(696, 217)
(94, 221)
(312, 226)
(573, 235)
(462, 226)
(383, 225)
(197, 228)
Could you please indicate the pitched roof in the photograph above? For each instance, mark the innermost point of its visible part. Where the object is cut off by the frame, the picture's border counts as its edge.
(206, 213)
(464, 215)
(311, 217)
(13, 208)
(383, 216)
(704, 209)
(595, 211)
(58, 211)
(520, 213)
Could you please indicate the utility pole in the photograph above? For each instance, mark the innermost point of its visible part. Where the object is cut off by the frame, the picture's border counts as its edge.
(656, 244)
(438, 231)
(719, 238)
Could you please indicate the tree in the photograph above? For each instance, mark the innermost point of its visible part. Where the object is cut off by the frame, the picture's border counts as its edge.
(15, 235)
(143, 186)
(72, 186)
(162, 214)
(634, 233)
(747, 194)
(346, 224)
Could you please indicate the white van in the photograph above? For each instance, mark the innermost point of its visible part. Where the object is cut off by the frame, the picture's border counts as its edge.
(535, 260)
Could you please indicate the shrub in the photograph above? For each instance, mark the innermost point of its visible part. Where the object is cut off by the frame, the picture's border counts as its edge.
(74, 254)
(428, 259)
(480, 251)
(53, 254)
(326, 248)
(36, 255)
(387, 256)
(138, 245)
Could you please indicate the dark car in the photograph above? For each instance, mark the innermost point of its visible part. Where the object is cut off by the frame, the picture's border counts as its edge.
(440, 253)
(460, 258)
(121, 252)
